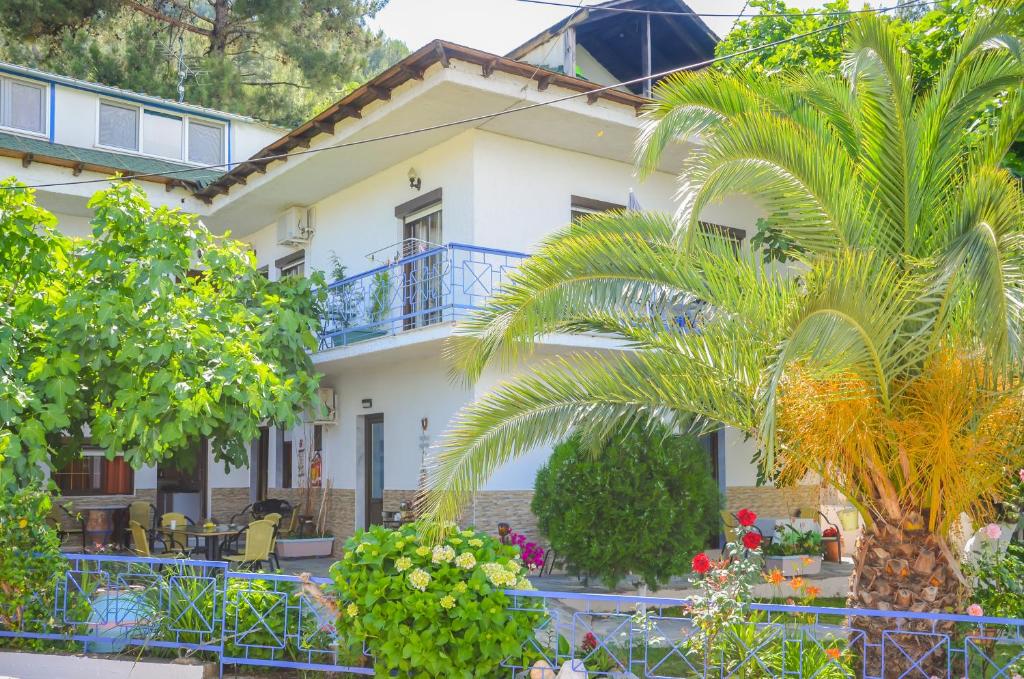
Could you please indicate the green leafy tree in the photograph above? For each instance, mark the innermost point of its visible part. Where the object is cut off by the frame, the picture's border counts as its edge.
(890, 367)
(930, 35)
(145, 337)
(275, 60)
(642, 504)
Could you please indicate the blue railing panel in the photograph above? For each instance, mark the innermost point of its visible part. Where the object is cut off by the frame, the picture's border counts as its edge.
(435, 285)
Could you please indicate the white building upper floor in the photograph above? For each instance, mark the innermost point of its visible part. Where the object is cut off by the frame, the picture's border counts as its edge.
(386, 173)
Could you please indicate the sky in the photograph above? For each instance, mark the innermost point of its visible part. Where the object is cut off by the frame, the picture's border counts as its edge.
(498, 26)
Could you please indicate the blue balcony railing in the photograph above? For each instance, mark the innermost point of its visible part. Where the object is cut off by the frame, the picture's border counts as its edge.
(162, 607)
(436, 285)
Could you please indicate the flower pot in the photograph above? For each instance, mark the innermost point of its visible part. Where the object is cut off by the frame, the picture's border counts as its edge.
(833, 549)
(294, 548)
(849, 519)
(800, 564)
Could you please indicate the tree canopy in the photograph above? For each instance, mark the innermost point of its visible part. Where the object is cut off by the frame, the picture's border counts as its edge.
(142, 339)
(928, 33)
(276, 60)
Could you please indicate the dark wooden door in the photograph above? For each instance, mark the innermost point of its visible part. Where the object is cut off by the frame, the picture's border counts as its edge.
(373, 465)
(262, 464)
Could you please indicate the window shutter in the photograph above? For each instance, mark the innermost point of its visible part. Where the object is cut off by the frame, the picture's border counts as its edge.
(119, 126)
(205, 143)
(27, 109)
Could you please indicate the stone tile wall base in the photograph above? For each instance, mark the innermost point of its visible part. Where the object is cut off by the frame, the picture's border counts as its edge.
(772, 502)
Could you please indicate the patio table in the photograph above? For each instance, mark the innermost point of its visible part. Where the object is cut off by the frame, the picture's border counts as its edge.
(211, 538)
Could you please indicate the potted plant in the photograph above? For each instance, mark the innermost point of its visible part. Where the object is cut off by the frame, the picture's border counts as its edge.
(321, 541)
(832, 544)
(794, 552)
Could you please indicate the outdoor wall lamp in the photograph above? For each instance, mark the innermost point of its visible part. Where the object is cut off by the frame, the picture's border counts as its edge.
(367, 402)
(415, 182)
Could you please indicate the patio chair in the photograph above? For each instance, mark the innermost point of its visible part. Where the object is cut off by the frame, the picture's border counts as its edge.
(144, 513)
(270, 506)
(259, 541)
(176, 539)
(246, 514)
(292, 528)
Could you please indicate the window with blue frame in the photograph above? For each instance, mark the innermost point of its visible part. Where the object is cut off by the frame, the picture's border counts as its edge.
(159, 133)
(23, 105)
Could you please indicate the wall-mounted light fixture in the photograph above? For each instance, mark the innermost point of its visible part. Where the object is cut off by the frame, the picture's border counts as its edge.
(367, 402)
(415, 181)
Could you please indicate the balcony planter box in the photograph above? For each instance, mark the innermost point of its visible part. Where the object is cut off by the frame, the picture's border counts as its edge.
(294, 548)
(800, 564)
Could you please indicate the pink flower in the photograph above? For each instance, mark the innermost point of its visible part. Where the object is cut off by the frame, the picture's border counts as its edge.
(993, 531)
(975, 610)
(1021, 475)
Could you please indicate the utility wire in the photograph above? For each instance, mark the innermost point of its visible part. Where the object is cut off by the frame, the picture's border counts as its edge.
(796, 14)
(451, 123)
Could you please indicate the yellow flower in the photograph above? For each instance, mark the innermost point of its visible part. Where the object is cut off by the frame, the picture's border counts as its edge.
(513, 566)
(400, 544)
(419, 579)
(403, 563)
(22, 523)
(448, 602)
(422, 551)
(476, 542)
(360, 547)
(443, 554)
(498, 576)
(524, 584)
(352, 610)
(460, 587)
(465, 560)
(455, 541)
(468, 533)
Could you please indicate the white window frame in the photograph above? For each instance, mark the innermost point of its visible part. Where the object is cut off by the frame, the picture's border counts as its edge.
(141, 151)
(5, 98)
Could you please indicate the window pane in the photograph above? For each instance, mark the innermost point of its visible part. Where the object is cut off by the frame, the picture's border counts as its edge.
(119, 126)
(27, 107)
(205, 143)
(161, 135)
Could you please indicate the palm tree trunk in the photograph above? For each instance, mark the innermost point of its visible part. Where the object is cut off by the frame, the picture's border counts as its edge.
(900, 569)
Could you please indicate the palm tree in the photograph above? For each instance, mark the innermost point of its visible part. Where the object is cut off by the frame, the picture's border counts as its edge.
(887, 358)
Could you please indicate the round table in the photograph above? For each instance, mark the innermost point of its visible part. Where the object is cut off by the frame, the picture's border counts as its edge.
(212, 538)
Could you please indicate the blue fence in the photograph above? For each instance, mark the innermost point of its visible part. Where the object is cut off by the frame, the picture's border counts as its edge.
(434, 285)
(118, 604)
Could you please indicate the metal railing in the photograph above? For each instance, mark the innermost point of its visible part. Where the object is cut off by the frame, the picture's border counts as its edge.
(659, 638)
(170, 606)
(436, 285)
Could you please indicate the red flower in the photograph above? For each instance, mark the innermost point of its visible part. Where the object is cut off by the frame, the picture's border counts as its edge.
(746, 517)
(701, 564)
(830, 532)
(589, 642)
(752, 540)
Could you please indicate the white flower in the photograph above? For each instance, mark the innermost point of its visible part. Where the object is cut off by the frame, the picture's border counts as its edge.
(419, 579)
(465, 560)
(443, 554)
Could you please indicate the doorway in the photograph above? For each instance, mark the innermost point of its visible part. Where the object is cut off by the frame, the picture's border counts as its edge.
(373, 467)
(181, 483)
(421, 296)
(260, 467)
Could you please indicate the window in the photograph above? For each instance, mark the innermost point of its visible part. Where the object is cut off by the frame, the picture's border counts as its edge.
(580, 207)
(119, 126)
(162, 135)
(292, 265)
(24, 105)
(94, 474)
(205, 143)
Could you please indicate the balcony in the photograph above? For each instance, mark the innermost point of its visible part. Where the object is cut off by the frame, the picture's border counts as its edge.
(436, 285)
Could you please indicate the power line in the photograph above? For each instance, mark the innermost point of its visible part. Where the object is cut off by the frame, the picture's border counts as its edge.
(451, 123)
(667, 12)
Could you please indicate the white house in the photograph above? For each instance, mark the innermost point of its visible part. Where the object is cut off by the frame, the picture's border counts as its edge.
(425, 225)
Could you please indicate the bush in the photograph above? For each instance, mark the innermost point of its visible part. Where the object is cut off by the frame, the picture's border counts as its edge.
(30, 558)
(432, 610)
(642, 504)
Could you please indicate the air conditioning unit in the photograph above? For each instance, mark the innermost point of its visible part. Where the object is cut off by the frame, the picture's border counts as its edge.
(327, 407)
(295, 226)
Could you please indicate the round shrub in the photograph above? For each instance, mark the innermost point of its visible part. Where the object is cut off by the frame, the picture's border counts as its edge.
(433, 610)
(641, 504)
